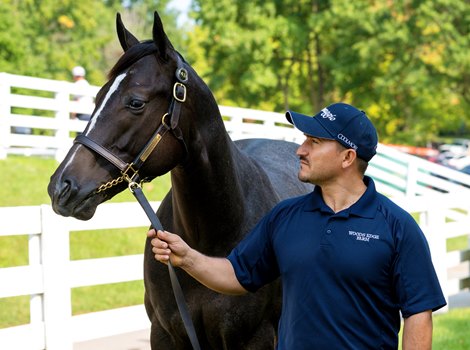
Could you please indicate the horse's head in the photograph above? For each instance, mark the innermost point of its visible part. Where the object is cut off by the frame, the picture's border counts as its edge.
(145, 94)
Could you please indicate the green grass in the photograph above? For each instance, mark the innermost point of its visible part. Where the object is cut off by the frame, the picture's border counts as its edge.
(24, 181)
(451, 330)
(458, 243)
(107, 296)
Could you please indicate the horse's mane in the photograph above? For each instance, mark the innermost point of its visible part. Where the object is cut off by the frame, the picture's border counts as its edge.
(132, 55)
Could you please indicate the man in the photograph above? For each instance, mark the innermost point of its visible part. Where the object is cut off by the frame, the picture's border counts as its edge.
(84, 97)
(350, 260)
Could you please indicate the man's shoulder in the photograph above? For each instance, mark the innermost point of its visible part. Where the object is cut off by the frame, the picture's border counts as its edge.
(293, 203)
(392, 210)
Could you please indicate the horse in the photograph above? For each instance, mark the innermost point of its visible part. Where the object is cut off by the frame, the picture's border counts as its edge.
(219, 188)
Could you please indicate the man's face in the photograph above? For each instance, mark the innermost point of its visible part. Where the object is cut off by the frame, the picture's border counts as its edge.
(320, 160)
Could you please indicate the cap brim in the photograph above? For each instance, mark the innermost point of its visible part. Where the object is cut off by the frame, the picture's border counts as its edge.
(308, 125)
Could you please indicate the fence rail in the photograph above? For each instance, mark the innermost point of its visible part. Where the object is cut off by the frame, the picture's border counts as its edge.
(51, 275)
(50, 131)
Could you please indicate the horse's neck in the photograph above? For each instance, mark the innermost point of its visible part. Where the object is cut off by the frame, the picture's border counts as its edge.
(208, 198)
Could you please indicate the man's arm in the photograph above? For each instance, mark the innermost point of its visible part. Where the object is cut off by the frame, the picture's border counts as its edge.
(215, 273)
(417, 331)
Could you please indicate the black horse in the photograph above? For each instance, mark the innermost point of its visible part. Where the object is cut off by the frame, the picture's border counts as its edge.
(220, 188)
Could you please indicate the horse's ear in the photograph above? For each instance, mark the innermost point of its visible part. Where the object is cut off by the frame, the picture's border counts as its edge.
(159, 37)
(125, 37)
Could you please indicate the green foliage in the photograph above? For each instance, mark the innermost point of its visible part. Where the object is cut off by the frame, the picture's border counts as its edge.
(406, 63)
(48, 38)
(51, 37)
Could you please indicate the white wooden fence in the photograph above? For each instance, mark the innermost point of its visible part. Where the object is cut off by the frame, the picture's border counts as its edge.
(437, 194)
(21, 109)
(50, 275)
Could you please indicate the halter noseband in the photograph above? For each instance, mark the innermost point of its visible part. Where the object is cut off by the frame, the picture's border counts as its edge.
(129, 171)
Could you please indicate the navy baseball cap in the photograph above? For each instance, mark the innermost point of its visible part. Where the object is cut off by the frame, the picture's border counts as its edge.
(343, 123)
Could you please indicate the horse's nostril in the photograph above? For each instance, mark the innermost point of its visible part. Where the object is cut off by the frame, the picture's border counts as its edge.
(65, 191)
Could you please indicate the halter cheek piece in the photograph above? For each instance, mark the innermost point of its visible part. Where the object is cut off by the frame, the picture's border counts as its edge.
(130, 171)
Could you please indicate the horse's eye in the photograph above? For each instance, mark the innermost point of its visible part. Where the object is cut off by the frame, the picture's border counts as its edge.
(136, 104)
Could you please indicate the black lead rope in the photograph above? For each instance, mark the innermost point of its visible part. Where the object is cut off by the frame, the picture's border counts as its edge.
(178, 292)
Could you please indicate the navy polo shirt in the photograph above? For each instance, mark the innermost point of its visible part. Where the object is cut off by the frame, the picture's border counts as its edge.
(345, 276)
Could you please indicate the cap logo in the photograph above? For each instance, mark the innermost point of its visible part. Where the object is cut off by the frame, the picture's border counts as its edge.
(325, 113)
(347, 141)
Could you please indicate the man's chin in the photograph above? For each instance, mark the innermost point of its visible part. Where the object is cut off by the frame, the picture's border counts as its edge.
(302, 177)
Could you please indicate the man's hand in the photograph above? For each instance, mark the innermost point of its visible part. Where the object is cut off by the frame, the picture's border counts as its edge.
(169, 247)
(213, 272)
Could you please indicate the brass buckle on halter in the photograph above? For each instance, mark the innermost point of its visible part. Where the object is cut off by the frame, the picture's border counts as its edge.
(175, 95)
(125, 173)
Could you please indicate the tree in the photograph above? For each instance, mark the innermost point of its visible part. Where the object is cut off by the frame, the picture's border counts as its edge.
(47, 38)
(406, 63)
(55, 36)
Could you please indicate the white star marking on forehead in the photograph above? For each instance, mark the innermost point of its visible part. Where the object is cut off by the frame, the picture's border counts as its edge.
(114, 87)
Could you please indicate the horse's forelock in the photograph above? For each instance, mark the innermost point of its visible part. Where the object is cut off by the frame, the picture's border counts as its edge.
(131, 56)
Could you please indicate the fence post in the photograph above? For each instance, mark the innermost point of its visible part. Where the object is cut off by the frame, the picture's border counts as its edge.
(411, 179)
(4, 114)
(57, 293)
(235, 126)
(62, 117)
(36, 306)
(434, 222)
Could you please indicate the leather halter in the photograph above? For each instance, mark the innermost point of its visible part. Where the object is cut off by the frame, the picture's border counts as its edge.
(130, 171)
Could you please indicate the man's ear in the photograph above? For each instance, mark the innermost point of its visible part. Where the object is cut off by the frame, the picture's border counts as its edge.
(349, 156)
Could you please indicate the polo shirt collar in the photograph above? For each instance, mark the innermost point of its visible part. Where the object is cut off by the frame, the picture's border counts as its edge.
(365, 207)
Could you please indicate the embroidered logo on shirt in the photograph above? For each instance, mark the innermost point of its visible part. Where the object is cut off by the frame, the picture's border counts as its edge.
(366, 237)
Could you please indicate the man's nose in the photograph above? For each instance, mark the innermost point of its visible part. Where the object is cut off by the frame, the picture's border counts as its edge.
(301, 150)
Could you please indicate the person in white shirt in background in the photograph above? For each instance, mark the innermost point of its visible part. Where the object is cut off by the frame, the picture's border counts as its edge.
(82, 84)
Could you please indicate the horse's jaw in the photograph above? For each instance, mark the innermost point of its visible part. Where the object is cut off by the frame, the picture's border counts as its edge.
(83, 210)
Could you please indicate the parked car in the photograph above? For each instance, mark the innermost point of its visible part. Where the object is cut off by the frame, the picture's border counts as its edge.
(466, 170)
(456, 147)
(459, 162)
